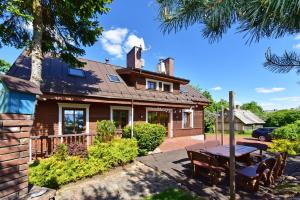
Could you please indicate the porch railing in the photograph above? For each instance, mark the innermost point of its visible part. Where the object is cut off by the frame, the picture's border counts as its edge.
(44, 146)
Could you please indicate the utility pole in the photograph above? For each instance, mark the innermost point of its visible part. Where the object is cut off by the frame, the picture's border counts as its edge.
(222, 126)
(232, 146)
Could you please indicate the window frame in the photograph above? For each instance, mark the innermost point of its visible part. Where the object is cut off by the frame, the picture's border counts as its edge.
(191, 112)
(120, 118)
(154, 81)
(129, 109)
(157, 85)
(74, 74)
(61, 106)
(114, 81)
(63, 119)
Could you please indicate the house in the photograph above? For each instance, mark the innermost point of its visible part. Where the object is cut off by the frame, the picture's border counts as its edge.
(74, 99)
(243, 119)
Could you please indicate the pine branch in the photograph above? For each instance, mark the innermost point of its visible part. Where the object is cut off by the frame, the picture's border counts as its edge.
(282, 64)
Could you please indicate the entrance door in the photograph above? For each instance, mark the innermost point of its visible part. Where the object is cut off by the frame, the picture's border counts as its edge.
(159, 117)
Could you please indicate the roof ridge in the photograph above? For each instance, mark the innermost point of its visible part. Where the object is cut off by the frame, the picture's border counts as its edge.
(101, 62)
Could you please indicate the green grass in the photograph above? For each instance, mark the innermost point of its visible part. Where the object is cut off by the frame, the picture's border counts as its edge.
(173, 194)
(238, 133)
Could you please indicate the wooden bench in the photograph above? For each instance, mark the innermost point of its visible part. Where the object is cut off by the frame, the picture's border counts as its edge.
(249, 177)
(206, 165)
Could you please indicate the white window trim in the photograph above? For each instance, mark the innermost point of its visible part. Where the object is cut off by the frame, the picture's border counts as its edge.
(157, 84)
(73, 105)
(130, 116)
(152, 80)
(167, 83)
(160, 109)
(191, 111)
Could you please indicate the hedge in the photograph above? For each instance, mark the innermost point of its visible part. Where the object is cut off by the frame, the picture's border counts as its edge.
(61, 169)
(290, 132)
(149, 136)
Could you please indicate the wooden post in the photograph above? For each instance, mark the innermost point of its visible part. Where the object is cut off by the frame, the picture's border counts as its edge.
(132, 115)
(216, 131)
(232, 146)
(222, 126)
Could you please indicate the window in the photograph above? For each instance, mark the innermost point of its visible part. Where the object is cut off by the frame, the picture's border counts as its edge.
(187, 118)
(76, 72)
(183, 90)
(113, 78)
(120, 117)
(73, 121)
(158, 117)
(151, 85)
(167, 88)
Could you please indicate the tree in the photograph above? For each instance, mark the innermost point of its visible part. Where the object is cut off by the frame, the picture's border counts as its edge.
(255, 108)
(59, 27)
(4, 66)
(257, 19)
(282, 117)
(212, 110)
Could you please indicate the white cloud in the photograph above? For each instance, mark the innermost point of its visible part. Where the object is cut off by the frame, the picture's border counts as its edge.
(297, 37)
(289, 99)
(297, 46)
(263, 90)
(134, 40)
(112, 41)
(115, 36)
(28, 26)
(217, 88)
(117, 41)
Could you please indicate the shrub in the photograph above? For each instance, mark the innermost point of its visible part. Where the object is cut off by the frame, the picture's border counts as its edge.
(61, 152)
(75, 149)
(149, 136)
(55, 171)
(284, 145)
(117, 152)
(282, 118)
(105, 131)
(290, 132)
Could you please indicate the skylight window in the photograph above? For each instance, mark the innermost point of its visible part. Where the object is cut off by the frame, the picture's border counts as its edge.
(113, 78)
(183, 90)
(76, 72)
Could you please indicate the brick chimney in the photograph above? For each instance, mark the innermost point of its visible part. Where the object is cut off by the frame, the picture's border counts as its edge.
(169, 63)
(134, 58)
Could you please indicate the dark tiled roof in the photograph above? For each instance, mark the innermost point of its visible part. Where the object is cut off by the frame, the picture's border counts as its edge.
(95, 83)
(20, 85)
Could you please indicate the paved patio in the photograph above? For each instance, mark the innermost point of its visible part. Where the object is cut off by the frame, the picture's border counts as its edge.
(176, 165)
(131, 182)
(171, 144)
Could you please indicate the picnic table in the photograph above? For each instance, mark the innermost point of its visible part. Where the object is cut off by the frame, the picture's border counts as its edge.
(224, 151)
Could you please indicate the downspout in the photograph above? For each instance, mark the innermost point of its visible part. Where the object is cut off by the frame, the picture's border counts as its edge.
(132, 118)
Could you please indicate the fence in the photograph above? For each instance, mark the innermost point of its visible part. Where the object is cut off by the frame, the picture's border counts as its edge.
(44, 146)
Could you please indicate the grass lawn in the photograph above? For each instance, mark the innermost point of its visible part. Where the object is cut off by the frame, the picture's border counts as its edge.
(237, 133)
(173, 194)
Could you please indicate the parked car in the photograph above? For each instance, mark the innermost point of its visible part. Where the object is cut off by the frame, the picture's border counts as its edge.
(263, 134)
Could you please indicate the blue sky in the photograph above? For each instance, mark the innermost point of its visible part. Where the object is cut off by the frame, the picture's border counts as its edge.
(227, 65)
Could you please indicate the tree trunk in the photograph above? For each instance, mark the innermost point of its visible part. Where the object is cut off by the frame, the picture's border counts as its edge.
(36, 53)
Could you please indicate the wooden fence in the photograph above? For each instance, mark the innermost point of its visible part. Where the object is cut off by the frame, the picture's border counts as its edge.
(44, 146)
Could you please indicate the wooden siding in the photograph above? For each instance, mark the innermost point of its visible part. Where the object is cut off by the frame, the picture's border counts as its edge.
(46, 118)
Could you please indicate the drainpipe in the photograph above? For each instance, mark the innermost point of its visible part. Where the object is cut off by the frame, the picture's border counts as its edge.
(132, 118)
